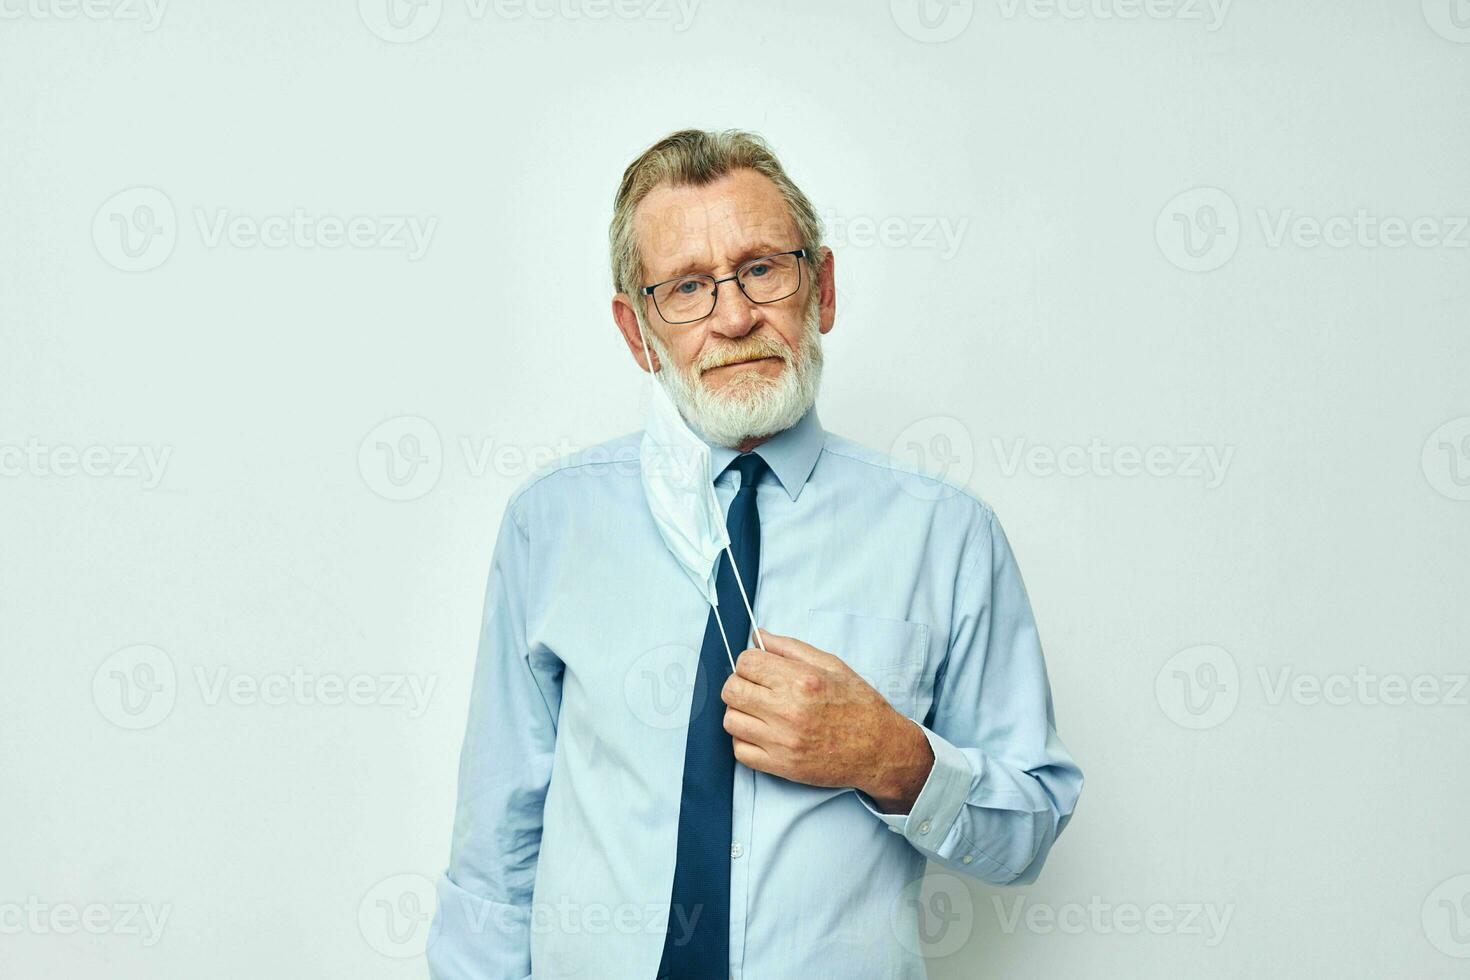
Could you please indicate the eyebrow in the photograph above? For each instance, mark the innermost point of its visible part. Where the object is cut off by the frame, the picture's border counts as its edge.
(754, 251)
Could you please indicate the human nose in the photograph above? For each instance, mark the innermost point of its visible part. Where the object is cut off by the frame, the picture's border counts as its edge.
(734, 314)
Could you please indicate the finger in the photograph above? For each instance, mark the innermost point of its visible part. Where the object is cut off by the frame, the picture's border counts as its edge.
(752, 755)
(746, 728)
(794, 649)
(748, 696)
(765, 669)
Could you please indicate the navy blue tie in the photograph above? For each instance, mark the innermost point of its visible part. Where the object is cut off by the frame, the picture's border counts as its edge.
(697, 944)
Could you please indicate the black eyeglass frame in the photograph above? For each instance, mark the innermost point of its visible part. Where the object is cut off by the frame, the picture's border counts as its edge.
(800, 254)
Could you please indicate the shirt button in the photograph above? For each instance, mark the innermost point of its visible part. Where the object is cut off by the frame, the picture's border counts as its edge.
(736, 850)
(924, 827)
(968, 858)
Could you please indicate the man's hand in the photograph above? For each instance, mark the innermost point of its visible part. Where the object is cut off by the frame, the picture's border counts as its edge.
(803, 714)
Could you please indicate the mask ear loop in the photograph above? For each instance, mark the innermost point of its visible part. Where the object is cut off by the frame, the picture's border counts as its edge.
(744, 597)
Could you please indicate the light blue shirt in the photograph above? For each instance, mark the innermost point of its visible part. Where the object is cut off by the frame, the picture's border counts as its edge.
(566, 829)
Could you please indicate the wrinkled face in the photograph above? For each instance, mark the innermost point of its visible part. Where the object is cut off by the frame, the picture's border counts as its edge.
(748, 369)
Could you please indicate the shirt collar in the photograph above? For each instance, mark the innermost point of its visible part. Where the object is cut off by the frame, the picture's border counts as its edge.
(791, 453)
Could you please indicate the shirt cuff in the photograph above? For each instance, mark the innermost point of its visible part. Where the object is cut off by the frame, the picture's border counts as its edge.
(938, 805)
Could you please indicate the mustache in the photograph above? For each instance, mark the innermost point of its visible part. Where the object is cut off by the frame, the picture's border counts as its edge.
(748, 349)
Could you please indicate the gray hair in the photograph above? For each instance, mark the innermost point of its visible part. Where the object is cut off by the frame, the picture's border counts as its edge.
(695, 157)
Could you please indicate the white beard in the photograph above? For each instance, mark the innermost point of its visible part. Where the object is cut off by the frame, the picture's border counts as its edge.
(752, 405)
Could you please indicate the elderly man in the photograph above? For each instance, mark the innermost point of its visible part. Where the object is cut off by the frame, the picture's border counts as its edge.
(724, 712)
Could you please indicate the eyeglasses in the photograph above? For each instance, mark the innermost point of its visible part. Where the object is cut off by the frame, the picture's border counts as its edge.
(767, 279)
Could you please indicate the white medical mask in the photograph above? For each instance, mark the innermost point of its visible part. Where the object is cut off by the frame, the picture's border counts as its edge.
(678, 483)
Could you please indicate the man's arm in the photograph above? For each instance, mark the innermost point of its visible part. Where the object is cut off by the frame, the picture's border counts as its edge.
(1002, 785)
(481, 930)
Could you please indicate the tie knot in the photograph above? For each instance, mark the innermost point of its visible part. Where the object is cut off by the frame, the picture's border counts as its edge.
(750, 466)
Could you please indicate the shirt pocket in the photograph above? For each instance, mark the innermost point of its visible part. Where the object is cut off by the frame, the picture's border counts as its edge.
(887, 653)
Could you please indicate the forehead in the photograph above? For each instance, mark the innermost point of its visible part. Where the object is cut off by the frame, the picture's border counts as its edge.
(702, 229)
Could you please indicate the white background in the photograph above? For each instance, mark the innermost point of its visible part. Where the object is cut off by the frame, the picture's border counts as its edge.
(1067, 319)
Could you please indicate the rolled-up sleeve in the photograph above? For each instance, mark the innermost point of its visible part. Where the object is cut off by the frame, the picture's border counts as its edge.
(481, 929)
(1003, 786)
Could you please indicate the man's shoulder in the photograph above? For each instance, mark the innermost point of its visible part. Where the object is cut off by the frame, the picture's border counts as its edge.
(935, 476)
(589, 469)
